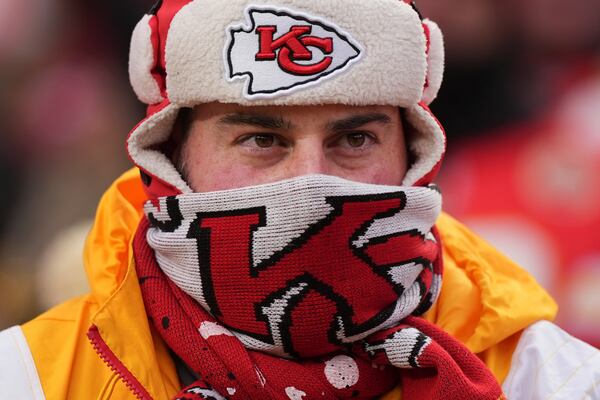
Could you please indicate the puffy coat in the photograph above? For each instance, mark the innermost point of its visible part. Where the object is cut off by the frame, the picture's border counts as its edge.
(101, 345)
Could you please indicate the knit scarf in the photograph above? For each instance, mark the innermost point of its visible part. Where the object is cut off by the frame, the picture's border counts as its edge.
(307, 288)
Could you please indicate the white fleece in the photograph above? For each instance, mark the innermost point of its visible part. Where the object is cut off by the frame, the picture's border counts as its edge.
(141, 62)
(154, 130)
(435, 62)
(427, 143)
(391, 72)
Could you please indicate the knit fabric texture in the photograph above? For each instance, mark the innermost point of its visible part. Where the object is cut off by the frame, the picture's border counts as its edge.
(324, 311)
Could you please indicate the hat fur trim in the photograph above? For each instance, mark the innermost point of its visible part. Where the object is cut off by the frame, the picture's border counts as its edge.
(427, 144)
(142, 61)
(435, 62)
(142, 143)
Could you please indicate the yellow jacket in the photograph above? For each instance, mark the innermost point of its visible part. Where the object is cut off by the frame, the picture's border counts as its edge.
(486, 301)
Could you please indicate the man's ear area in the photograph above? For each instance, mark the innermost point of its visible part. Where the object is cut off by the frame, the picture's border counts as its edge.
(173, 147)
(409, 133)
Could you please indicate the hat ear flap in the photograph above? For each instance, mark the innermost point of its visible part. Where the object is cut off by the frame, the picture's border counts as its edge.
(435, 61)
(142, 60)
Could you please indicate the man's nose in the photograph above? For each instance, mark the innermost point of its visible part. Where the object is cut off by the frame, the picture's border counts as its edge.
(308, 157)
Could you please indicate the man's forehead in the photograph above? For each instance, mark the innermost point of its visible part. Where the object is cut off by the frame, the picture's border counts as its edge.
(344, 122)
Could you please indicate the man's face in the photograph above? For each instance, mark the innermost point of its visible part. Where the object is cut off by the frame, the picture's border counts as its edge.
(230, 146)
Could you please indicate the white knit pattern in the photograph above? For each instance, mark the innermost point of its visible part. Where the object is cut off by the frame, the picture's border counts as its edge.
(403, 347)
(141, 62)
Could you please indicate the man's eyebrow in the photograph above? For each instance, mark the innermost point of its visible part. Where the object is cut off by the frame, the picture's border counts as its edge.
(356, 121)
(257, 120)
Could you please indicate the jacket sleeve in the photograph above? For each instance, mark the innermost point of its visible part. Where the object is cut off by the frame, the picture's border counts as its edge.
(18, 374)
(550, 363)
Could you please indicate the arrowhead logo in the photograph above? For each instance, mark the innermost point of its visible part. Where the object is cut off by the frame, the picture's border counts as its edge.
(280, 51)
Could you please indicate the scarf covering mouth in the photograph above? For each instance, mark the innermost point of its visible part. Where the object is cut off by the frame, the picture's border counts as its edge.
(305, 288)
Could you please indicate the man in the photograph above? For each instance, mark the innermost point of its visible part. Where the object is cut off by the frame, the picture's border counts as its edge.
(284, 240)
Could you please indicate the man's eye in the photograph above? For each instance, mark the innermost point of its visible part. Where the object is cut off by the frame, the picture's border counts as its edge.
(263, 141)
(356, 139)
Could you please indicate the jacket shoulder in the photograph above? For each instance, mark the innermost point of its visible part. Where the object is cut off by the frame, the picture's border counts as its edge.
(64, 358)
(496, 296)
(18, 374)
(486, 299)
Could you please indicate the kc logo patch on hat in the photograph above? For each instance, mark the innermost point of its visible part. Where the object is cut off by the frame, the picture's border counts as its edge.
(280, 51)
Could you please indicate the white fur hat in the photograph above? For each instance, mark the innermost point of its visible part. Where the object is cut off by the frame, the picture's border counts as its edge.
(283, 52)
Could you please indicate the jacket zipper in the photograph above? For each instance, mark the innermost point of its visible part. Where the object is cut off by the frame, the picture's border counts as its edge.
(116, 365)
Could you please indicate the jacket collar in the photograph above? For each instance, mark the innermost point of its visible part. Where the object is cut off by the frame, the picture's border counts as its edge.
(121, 319)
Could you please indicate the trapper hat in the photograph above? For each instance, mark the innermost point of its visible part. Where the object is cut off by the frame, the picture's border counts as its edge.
(283, 52)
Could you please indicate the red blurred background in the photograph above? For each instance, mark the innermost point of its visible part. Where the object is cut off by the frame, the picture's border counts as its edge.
(520, 103)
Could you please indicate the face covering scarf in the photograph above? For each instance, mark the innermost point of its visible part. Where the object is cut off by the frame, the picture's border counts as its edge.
(307, 288)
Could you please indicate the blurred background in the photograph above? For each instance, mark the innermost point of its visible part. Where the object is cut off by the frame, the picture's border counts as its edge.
(520, 103)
